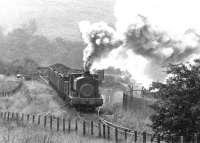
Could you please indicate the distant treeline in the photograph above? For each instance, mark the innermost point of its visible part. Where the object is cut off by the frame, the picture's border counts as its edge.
(22, 66)
(25, 41)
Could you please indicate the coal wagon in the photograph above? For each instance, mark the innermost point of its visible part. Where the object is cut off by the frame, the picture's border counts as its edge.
(77, 87)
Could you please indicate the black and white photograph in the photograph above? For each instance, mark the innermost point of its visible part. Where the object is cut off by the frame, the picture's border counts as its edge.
(99, 71)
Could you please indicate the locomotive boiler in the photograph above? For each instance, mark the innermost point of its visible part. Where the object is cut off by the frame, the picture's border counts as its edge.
(77, 87)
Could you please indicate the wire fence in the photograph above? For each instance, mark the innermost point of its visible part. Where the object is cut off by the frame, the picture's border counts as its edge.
(94, 128)
(101, 128)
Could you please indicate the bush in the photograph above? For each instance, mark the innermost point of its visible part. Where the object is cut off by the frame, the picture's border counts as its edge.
(23, 66)
(177, 111)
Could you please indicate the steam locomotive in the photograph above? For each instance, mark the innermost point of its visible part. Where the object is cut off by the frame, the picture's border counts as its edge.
(76, 87)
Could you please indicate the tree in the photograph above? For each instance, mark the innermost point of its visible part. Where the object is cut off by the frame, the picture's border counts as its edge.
(177, 109)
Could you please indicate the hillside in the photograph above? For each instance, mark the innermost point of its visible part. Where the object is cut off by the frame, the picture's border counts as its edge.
(23, 43)
(55, 18)
(35, 97)
(48, 32)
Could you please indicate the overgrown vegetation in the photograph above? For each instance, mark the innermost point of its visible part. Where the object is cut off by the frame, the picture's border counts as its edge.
(177, 111)
(25, 41)
(23, 66)
(13, 132)
(9, 86)
(136, 117)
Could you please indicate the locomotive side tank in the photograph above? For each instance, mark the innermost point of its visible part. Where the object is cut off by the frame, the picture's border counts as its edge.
(76, 87)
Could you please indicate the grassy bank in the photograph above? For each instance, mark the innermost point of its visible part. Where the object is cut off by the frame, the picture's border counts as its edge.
(136, 117)
(11, 132)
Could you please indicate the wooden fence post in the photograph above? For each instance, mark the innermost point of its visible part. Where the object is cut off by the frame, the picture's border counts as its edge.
(99, 127)
(91, 125)
(84, 128)
(69, 125)
(108, 128)
(33, 118)
(181, 139)
(17, 116)
(38, 119)
(195, 138)
(104, 131)
(152, 139)
(51, 122)
(125, 134)
(27, 117)
(172, 139)
(8, 117)
(58, 124)
(45, 121)
(4, 115)
(135, 135)
(125, 101)
(116, 134)
(158, 138)
(12, 115)
(76, 125)
(63, 124)
(144, 137)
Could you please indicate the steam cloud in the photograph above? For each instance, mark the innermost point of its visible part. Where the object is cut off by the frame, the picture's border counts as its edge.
(100, 41)
(158, 47)
(143, 49)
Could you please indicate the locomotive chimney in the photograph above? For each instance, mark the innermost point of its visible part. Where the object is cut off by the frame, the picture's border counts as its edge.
(86, 71)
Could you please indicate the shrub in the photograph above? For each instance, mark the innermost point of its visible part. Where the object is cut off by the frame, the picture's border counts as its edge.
(177, 110)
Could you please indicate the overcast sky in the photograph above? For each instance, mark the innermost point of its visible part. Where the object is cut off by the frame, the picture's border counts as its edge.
(61, 18)
(55, 17)
(169, 15)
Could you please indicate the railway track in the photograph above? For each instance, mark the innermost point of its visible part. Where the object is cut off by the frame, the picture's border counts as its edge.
(44, 78)
(99, 121)
(91, 116)
(98, 118)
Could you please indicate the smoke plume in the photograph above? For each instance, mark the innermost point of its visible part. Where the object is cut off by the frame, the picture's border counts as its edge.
(145, 49)
(100, 40)
(158, 47)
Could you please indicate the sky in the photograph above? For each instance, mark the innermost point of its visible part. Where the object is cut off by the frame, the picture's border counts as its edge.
(55, 17)
(61, 18)
(174, 16)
